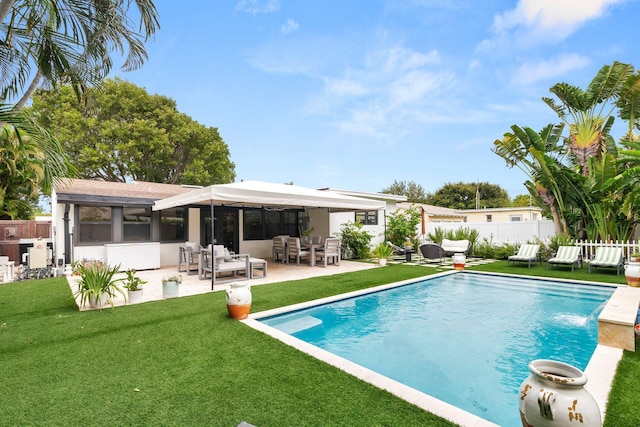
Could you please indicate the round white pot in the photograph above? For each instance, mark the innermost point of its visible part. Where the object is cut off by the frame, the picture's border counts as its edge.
(382, 261)
(554, 395)
(170, 289)
(134, 297)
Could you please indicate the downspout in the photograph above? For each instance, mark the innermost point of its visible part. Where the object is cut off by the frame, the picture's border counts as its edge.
(67, 236)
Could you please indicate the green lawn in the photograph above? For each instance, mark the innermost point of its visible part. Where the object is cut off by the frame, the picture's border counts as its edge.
(184, 362)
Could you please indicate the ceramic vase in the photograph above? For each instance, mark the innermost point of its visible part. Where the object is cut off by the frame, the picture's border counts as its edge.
(239, 300)
(134, 297)
(632, 273)
(458, 261)
(554, 396)
(170, 289)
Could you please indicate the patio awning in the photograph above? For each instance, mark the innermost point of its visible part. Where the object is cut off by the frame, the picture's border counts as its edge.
(266, 194)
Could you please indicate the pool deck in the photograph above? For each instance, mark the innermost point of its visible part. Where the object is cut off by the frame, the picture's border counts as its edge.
(600, 370)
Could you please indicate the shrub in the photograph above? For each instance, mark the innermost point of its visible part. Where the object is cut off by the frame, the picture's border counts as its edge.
(355, 240)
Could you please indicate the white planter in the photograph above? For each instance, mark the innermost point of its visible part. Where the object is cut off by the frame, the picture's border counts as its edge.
(134, 297)
(170, 289)
(554, 395)
(458, 261)
(382, 261)
(239, 300)
(95, 302)
(632, 273)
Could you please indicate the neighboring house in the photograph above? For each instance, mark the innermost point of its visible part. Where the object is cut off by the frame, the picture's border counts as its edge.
(141, 225)
(516, 225)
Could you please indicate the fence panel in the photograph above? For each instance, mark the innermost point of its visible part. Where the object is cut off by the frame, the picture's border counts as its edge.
(515, 232)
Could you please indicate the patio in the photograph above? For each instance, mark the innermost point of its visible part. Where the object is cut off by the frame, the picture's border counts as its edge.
(191, 285)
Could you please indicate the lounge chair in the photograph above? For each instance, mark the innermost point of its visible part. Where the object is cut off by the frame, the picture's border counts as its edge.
(432, 251)
(526, 253)
(566, 255)
(607, 258)
(397, 250)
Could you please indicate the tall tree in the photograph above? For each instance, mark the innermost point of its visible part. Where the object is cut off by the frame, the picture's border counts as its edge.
(462, 195)
(130, 134)
(412, 191)
(58, 41)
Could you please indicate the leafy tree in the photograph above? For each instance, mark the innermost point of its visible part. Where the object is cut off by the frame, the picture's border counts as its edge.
(465, 196)
(522, 200)
(402, 226)
(129, 134)
(414, 193)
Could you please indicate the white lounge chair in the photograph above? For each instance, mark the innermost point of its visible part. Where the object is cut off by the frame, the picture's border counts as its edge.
(452, 247)
(566, 255)
(607, 258)
(526, 253)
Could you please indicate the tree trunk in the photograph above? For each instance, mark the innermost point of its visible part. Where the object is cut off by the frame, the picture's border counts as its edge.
(5, 8)
(25, 97)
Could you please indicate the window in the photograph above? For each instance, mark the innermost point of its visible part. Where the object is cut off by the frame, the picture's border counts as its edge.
(534, 217)
(367, 217)
(172, 225)
(94, 224)
(515, 217)
(259, 224)
(489, 218)
(137, 224)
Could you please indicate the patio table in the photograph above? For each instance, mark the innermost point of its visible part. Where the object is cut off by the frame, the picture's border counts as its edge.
(312, 251)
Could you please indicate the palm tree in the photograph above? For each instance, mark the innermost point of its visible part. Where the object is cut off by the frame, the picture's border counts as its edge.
(590, 112)
(540, 157)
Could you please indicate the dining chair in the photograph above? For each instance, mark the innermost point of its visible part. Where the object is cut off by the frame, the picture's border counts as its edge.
(295, 250)
(330, 251)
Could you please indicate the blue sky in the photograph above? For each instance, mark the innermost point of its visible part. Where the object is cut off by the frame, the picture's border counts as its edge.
(355, 94)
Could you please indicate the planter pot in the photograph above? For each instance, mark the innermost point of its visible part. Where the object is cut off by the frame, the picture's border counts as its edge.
(382, 261)
(638, 330)
(95, 302)
(632, 273)
(170, 289)
(239, 300)
(554, 395)
(458, 261)
(134, 297)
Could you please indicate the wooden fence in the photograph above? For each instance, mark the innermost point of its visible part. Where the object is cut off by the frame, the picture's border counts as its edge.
(16, 236)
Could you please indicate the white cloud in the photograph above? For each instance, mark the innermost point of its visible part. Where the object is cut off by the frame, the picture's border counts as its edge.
(289, 26)
(258, 6)
(529, 73)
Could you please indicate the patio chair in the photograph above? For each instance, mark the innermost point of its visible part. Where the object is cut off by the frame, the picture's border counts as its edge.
(526, 253)
(607, 258)
(432, 251)
(330, 251)
(452, 247)
(188, 257)
(566, 255)
(279, 248)
(397, 250)
(218, 260)
(294, 250)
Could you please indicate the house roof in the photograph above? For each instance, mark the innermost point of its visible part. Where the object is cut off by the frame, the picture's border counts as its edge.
(98, 192)
(261, 194)
(433, 210)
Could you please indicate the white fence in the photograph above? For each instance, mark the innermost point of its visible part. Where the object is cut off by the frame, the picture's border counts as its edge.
(589, 247)
(501, 232)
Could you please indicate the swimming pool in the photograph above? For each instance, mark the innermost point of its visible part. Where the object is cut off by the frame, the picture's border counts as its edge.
(463, 338)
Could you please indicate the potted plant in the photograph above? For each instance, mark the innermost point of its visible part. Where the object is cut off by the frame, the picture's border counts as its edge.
(170, 286)
(383, 252)
(133, 285)
(97, 285)
(635, 256)
(306, 235)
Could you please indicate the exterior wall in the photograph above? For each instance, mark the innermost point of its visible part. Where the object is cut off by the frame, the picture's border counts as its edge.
(502, 215)
(377, 232)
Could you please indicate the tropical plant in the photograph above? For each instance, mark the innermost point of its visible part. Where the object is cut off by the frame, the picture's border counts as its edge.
(355, 240)
(382, 251)
(132, 282)
(402, 226)
(97, 282)
(174, 278)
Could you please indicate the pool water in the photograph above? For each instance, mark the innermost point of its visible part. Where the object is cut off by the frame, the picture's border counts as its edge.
(466, 339)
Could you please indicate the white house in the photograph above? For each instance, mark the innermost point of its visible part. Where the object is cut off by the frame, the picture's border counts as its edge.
(141, 225)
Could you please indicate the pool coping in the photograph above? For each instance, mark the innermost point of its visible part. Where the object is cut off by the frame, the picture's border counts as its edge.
(600, 370)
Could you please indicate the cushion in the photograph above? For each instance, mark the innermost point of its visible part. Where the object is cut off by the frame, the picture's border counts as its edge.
(192, 246)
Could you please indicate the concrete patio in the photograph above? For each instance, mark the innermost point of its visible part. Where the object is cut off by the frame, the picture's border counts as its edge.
(191, 285)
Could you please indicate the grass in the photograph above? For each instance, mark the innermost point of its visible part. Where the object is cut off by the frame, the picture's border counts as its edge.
(185, 362)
